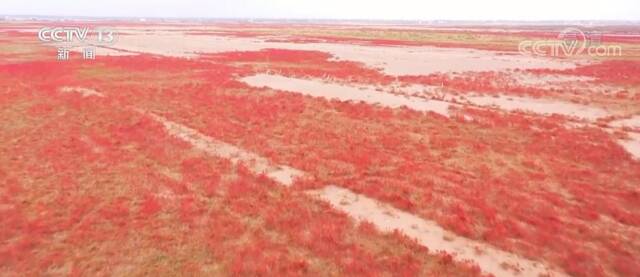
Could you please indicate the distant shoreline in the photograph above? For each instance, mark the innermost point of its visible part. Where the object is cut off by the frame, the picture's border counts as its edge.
(329, 21)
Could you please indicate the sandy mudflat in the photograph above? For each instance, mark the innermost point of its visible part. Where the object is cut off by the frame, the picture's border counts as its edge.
(632, 122)
(85, 92)
(430, 234)
(540, 106)
(632, 145)
(259, 165)
(318, 88)
(414, 60)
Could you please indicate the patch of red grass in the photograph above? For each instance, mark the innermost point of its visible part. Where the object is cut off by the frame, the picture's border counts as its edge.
(92, 177)
(299, 63)
(514, 181)
(622, 72)
(543, 182)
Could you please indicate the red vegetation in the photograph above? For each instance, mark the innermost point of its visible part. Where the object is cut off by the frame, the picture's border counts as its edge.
(299, 63)
(543, 182)
(92, 177)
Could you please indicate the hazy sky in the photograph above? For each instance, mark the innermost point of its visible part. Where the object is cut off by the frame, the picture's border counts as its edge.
(337, 9)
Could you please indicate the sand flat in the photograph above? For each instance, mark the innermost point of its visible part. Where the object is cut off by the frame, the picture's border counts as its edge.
(632, 145)
(540, 106)
(284, 175)
(392, 60)
(430, 234)
(318, 88)
(631, 122)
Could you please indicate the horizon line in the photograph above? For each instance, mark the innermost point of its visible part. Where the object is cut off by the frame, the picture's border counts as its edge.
(637, 21)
